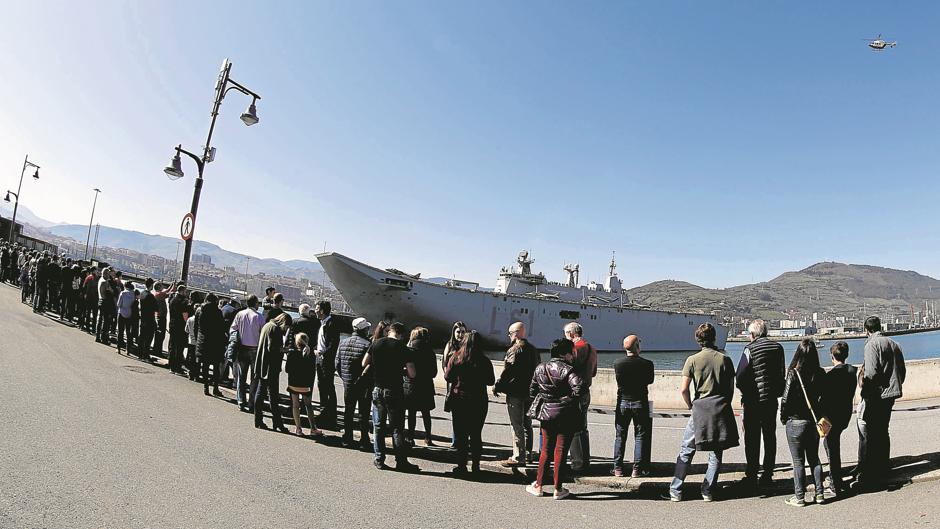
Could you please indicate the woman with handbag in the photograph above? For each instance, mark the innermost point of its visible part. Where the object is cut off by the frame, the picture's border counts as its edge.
(555, 391)
(801, 397)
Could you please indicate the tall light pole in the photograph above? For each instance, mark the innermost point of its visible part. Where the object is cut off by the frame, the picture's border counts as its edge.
(19, 189)
(90, 221)
(175, 170)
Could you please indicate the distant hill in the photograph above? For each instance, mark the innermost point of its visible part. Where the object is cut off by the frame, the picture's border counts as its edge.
(823, 287)
(167, 247)
(24, 215)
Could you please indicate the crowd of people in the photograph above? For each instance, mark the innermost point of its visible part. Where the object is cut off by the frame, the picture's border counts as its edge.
(388, 377)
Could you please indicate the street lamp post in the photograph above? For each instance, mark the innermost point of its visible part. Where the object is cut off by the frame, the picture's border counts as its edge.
(19, 189)
(90, 221)
(175, 170)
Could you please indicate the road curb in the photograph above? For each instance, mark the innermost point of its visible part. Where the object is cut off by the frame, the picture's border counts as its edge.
(783, 482)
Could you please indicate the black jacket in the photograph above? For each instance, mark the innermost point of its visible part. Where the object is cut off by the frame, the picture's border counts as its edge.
(763, 379)
(148, 309)
(178, 305)
(793, 404)
(838, 394)
(306, 325)
(419, 391)
(468, 379)
(301, 368)
(518, 366)
(331, 337)
(349, 358)
(210, 333)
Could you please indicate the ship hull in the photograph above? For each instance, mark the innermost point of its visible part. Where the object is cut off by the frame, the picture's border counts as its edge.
(377, 294)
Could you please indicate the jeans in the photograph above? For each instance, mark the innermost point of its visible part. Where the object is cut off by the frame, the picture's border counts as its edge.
(105, 322)
(684, 461)
(267, 388)
(555, 443)
(327, 388)
(91, 315)
(356, 396)
(833, 444)
(874, 441)
(803, 440)
(581, 440)
(125, 337)
(639, 413)
(521, 423)
(388, 405)
(244, 358)
(760, 421)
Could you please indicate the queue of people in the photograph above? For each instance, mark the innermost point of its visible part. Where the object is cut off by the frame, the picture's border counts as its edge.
(388, 376)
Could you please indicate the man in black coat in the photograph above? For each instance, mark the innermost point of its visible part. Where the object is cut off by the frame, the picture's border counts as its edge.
(178, 313)
(760, 377)
(148, 321)
(326, 345)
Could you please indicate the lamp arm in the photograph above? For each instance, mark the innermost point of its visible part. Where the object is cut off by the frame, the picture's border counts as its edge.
(240, 88)
(197, 159)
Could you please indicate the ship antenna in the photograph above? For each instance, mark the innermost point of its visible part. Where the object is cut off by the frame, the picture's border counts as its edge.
(613, 264)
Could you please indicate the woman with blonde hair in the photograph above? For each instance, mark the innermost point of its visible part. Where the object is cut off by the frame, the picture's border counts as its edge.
(301, 373)
(419, 391)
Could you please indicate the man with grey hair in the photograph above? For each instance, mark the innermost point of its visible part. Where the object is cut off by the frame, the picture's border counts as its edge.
(585, 365)
(518, 366)
(760, 377)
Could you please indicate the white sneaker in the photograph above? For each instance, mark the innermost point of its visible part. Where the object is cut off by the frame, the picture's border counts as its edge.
(561, 493)
(533, 489)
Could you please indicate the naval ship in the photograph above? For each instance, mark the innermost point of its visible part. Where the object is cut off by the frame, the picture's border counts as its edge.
(603, 310)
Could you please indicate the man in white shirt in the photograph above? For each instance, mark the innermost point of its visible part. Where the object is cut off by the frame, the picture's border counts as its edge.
(247, 324)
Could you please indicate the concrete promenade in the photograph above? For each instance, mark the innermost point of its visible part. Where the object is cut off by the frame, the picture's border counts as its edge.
(92, 438)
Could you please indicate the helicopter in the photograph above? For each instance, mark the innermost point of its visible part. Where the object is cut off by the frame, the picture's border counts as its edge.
(878, 43)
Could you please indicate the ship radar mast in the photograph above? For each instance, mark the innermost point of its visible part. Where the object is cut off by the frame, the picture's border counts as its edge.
(573, 273)
(525, 264)
(613, 264)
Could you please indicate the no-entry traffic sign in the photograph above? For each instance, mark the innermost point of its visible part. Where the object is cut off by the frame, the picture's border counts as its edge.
(187, 226)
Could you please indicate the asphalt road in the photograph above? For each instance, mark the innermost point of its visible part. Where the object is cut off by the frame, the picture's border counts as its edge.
(91, 438)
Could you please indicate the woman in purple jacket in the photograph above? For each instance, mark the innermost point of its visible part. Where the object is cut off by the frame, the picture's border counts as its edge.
(555, 391)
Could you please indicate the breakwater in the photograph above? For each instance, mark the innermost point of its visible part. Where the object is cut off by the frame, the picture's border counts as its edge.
(923, 381)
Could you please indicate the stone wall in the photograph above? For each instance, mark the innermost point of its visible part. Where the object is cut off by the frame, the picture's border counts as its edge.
(922, 382)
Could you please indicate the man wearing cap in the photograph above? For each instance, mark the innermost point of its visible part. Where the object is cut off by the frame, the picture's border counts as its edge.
(357, 385)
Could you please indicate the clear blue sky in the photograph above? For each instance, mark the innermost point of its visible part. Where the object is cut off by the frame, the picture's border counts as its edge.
(714, 142)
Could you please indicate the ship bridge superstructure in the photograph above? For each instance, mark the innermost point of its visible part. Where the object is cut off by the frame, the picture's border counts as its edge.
(519, 280)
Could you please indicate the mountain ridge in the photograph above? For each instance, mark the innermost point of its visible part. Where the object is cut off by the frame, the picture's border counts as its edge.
(167, 248)
(825, 287)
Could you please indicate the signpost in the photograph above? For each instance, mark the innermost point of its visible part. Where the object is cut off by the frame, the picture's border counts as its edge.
(186, 227)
